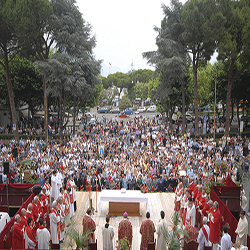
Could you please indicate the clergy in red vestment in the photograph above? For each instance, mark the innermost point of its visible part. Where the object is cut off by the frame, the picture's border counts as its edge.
(36, 211)
(147, 231)
(191, 185)
(191, 231)
(89, 225)
(215, 222)
(23, 217)
(205, 207)
(125, 230)
(17, 234)
(30, 241)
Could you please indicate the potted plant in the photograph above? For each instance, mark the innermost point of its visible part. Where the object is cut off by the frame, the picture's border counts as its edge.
(174, 237)
(124, 244)
(74, 238)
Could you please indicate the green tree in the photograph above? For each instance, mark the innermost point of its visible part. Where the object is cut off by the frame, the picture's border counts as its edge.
(8, 49)
(234, 44)
(124, 103)
(141, 90)
(203, 25)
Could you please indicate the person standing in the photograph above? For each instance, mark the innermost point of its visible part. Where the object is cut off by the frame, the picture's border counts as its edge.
(125, 230)
(215, 219)
(89, 225)
(43, 236)
(54, 184)
(191, 231)
(30, 241)
(203, 236)
(107, 235)
(61, 207)
(191, 211)
(17, 234)
(147, 231)
(161, 244)
(242, 230)
(226, 243)
(54, 226)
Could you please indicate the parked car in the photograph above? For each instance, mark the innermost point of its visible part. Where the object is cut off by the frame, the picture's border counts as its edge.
(152, 108)
(92, 121)
(128, 111)
(141, 109)
(103, 110)
(115, 110)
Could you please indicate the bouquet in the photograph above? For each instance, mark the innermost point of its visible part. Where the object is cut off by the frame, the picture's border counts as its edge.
(144, 189)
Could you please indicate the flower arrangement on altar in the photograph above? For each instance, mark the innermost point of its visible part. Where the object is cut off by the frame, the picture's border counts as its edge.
(144, 189)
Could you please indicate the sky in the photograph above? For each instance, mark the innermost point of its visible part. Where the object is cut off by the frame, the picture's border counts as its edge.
(123, 31)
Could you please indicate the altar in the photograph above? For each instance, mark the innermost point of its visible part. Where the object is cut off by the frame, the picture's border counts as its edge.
(123, 202)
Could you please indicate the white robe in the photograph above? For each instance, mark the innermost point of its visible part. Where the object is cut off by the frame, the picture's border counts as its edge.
(29, 244)
(59, 180)
(54, 219)
(54, 187)
(161, 244)
(191, 212)
(202, 239)
(242, 231)
(107, 236)
(226, 242)
(43, 238)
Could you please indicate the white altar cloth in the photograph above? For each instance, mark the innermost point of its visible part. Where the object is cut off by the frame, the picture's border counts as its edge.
(133, 196)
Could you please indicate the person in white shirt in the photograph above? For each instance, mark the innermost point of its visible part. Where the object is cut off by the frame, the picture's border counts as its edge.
(242, 230)
(43, 236)
(203, 236)
(191, 211)
(54, 185)
(226, 243)
(107, 235)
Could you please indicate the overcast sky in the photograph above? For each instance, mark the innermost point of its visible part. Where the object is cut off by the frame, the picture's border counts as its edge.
(123, 29)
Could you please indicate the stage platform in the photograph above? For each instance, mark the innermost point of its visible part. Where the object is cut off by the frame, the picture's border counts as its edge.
(156, 203)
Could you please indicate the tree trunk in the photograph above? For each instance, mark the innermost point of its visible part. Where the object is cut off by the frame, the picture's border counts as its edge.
(232, 112)
(10, 93)
(238, 118)
(183, 108)
(229, 90)
(196, 96)
(74, 117)
(61, 116)
(45, 104)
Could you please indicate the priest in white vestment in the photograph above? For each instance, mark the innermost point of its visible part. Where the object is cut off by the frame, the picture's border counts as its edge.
(203, 236)
(242, 230)
(161, 244)
(43, 236)
(59, 178)
(54, 224)
(191, 211)
(107, 235)
(54, 186)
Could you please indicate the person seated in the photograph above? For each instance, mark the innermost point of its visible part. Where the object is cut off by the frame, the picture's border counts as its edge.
(170, 188)
(190, 230)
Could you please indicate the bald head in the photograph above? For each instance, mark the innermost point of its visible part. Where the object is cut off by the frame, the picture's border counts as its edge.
(23, 212)
(205, 220)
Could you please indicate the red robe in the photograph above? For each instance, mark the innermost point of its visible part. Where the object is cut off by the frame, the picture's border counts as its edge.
(215, 227)
(17, 237)
(30, 234)
(125, 230)
(23, 221)
(147, 231)
(205, 209)
(35, 212)
(192, 233)
(89, 224)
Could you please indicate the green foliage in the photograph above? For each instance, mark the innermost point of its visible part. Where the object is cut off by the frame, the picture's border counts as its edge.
(124, 244)
(141, 90)
(173, 238)
(74, 238)
(124, 103)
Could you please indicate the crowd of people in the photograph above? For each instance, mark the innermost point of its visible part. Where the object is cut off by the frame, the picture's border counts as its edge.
(116, 154)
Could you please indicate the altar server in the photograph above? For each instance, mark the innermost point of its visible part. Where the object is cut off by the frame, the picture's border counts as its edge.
(107, 235)
(147, 231)
(161, 245)
(54, 184)
(43, 236)
(242, 230)
(89, 225)
(125, 230)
